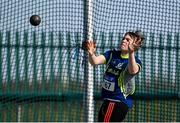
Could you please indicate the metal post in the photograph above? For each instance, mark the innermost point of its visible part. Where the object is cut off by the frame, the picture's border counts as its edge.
(88, 77)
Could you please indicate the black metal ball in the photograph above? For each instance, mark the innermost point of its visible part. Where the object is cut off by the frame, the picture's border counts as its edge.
(35, 20)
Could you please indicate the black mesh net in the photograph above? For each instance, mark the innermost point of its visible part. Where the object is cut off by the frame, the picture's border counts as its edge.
(43, 70)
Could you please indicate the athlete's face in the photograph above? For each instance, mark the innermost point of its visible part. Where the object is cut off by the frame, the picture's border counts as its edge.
(125, 43)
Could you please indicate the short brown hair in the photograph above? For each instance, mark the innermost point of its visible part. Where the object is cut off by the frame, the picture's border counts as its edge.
(137, 34)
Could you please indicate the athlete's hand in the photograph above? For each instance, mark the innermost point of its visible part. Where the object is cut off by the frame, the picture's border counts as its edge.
(90, 46)
(135, 45)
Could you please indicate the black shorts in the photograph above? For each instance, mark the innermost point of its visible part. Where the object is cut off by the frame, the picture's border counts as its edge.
(112, 111)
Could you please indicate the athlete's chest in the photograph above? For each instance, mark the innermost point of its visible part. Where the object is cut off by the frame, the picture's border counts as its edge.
(116, 66)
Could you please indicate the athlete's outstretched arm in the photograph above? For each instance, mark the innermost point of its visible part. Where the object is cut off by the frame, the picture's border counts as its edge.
(93, 59)
(133, 67)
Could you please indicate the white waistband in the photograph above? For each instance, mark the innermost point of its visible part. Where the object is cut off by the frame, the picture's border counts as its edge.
(112, 100)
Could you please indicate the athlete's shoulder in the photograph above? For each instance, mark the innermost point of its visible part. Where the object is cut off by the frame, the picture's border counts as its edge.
(112, 51)
(137, 57)
(115, 51)
(138, 60)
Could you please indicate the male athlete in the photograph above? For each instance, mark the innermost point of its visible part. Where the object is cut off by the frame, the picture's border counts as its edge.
(118, 84)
